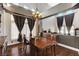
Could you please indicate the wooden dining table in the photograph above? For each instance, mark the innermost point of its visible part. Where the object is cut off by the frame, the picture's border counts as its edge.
(41, 43)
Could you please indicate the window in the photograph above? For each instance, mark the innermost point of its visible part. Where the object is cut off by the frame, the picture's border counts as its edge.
(72, 32)
(14, 29)
(65, 31)
(15, 32)
(26, 30)
(62, 30)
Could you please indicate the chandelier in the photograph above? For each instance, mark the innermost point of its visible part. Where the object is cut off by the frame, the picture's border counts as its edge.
(36, 14)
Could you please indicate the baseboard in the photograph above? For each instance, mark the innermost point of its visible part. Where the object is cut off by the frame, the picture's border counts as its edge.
(68, 47)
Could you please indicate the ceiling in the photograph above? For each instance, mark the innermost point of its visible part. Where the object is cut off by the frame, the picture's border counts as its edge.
(41, 6)
(45, 8)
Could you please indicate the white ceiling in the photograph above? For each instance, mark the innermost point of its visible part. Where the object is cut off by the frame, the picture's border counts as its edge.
(45, 8)
(59, 8)
(41, 6)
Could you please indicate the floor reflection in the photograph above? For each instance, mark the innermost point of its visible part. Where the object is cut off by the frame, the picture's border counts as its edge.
(21, 50)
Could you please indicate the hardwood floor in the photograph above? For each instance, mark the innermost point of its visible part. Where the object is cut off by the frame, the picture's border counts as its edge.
(21, 50)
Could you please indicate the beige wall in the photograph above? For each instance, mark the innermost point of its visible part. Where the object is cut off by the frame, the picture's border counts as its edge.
(6, 25)
(49, 23)
(2, 25)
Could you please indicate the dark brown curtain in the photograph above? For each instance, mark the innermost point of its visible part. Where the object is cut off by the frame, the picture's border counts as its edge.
(69, 20)
(59, 22)
(1, 6)
(19, 21)
(31, 22)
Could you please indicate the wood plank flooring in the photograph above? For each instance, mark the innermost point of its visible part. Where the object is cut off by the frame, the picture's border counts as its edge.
(21, 50)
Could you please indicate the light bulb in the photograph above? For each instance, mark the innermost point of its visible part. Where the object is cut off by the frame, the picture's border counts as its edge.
(37, 12)
(40, 14)
(33, 13)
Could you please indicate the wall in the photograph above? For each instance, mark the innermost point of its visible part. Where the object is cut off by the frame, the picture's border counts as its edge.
(2, 25)
(6, 25)
(50, 23)
(76, 19)
(71, 41)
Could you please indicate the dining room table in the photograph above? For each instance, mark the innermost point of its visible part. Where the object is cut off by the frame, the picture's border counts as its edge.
(42, 43)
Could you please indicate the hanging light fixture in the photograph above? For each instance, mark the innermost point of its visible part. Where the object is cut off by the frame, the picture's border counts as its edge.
(36, 14)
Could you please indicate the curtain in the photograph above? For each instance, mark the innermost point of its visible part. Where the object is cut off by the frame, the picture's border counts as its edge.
(69, 20)
(31, 22)
(59, 22)
(19, 21)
